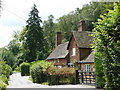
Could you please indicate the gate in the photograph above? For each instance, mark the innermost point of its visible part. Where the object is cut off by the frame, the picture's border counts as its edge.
(87, 77)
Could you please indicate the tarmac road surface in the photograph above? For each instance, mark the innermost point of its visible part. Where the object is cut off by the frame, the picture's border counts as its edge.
(18, 81)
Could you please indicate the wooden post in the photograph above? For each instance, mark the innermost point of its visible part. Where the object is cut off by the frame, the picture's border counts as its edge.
(77, 77)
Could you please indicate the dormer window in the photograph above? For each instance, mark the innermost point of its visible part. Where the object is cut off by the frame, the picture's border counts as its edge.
(73, 51)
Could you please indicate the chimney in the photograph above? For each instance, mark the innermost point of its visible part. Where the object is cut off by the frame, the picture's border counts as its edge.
(58, 39)
(81, 26)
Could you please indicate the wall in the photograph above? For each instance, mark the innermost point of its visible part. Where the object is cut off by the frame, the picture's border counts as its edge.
(58, 62)
(73, 44)
(84, 52)
(81, 66)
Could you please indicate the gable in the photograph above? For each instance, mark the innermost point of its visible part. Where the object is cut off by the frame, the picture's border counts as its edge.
(83, 39)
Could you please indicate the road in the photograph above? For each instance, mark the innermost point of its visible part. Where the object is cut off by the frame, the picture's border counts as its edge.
(18, 81)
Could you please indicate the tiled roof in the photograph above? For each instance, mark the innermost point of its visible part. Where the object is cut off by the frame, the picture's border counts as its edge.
(83, 39)
(59, 52)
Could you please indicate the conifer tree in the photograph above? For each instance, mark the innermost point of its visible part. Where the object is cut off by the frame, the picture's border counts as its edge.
(32, 37)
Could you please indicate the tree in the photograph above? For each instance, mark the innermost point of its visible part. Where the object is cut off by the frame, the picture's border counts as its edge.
(107, 44)
(14, 45)
(49, 34)
(32, 37)
(6, 55)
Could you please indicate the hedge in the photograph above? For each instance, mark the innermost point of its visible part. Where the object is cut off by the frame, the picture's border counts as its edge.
(5, 72)
(25, 69)
(38, 71)
(100, 77)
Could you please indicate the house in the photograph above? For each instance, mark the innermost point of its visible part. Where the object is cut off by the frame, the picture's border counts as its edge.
(60, 53)
(80, 50)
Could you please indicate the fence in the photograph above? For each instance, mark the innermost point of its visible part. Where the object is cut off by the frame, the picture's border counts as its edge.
(87, 77)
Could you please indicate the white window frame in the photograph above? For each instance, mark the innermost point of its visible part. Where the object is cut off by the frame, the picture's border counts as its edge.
(87, 68)
(73, 51)
(54, 61)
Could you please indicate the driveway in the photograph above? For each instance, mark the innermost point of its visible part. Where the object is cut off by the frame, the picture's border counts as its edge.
(18, 81)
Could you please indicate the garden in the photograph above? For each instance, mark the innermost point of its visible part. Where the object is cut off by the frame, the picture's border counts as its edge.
(44, 72)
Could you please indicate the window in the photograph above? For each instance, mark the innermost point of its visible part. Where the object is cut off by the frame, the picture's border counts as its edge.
(87, 67)
(73, 51)
(54, 61)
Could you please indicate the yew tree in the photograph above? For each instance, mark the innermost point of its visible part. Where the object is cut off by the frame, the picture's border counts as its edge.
(32, 37)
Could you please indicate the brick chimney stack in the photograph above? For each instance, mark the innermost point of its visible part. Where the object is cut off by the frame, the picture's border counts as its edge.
(58, 39)
(81, 26)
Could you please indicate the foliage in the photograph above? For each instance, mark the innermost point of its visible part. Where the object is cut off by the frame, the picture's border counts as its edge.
(5, 72)
(5, 69)
(107, 43)
(32, 37)
(61, 75)
(6, 55)
(25, 69)
(17, 69)
(100, 80)
(4, 79)
(37, 71)
(49, 34)
(2, 85)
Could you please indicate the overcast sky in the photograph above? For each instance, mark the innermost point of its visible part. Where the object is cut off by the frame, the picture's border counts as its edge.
(15, 13)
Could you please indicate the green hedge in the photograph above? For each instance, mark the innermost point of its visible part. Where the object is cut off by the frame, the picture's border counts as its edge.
(5, 69)
(2, 85)
(5, 72)
(38, 71)
(100, 77)
(25, 69)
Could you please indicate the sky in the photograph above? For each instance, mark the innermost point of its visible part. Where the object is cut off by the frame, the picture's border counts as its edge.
(15, 13)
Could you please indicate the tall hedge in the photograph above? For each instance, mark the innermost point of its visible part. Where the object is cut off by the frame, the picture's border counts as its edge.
(107, 43)
(25, 69)
(100, 77)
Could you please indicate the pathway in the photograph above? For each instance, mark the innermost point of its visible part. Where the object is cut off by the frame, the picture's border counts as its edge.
(18, 81)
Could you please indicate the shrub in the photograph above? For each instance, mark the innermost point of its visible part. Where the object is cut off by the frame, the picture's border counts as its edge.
(4, 79)
(17, 69)
(2, 85)
(5, 72)
(38, 71)
(5, 69)
(61, 75)
(25, 69)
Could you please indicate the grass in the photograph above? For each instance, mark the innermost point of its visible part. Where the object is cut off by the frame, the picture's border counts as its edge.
(45, 83)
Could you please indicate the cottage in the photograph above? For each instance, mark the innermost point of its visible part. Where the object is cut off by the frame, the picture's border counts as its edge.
(60, 53)
(80, 50)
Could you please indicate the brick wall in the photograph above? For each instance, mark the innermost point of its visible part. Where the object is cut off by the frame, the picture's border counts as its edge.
(58, 62)
(73, 44)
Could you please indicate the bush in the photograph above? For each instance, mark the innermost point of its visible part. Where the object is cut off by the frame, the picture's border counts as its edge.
(61, 75)
(2, 85)
(5, 69)
(17, 69)
(38, 71)
(5, 72)
(4, 79)
(25, 69)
